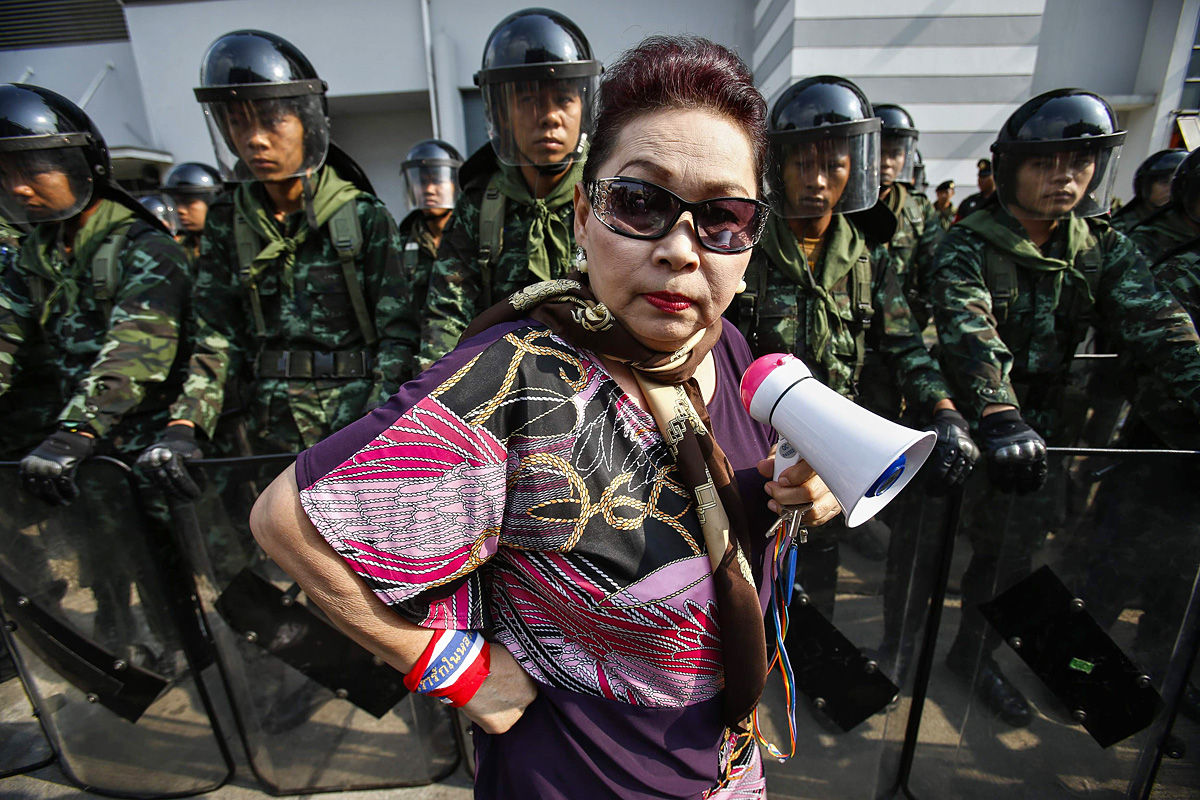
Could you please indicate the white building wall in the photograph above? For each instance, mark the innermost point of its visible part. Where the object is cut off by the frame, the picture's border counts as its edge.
(960, 67)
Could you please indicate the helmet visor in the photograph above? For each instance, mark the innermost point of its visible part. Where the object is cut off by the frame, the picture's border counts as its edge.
(431, 186)
(269, 139)
(1057, 183)
(811, 177)
(43, 185)
(897, 159)
(540, 123)
(163, 208)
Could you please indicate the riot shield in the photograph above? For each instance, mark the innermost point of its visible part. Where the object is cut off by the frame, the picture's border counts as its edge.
(316, 712)
(860, 603)
(24, 746)
(91, 621)
(1068, 634)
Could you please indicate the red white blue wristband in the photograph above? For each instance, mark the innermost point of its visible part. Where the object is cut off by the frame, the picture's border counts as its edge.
(452, 667)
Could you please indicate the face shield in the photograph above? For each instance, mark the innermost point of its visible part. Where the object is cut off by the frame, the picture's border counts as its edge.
(266, 132)
(829, 169)
(430, 184)
(897, 159)
(43, 178)
(541, 122)
(163, 208)
(1058, 179)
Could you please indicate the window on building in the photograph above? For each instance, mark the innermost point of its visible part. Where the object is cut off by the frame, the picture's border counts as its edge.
(474, 119)
(1191, 83)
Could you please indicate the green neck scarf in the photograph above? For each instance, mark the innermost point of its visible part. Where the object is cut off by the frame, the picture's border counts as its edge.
(1006, 234)
(40, 253)
(843, 243)
(549, 235)
(330, 193)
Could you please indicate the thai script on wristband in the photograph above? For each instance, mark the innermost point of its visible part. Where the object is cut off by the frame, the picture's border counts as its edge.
(452, 667)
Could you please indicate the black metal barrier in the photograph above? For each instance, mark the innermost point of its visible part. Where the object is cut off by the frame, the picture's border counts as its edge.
(96, 619)
(316, 712)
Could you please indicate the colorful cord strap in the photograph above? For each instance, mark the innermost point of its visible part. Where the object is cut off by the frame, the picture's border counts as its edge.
(781, 598)
(452, 667)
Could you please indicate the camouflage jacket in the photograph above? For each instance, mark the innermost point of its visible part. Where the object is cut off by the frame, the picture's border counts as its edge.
(1130, 215)
(117, 363)
(1163, 233)
(945, 217)
(776, 314)
(455, 284)
(1028, 349)
(914, 247)
(418, 255)
(315, 315)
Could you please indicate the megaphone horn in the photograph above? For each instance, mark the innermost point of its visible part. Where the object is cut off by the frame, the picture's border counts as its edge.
(864, 459)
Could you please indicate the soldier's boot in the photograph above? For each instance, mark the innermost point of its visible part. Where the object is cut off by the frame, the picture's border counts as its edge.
(816, 573)
(970, 657)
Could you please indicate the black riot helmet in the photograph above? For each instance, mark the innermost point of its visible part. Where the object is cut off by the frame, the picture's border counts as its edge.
(1056, 156)
(825, 149)
(1185, 185)
(537, 64)
(53, 161)
(193, 179)
(257, 84)
(163, 208)
(430, 171)
(44, 140)
(899, 141)
(1158, 168)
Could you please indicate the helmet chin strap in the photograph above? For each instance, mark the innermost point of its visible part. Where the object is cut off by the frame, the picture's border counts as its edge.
(557, 168)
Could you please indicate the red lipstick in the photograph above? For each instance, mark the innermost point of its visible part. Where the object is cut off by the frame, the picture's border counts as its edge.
(669, 302)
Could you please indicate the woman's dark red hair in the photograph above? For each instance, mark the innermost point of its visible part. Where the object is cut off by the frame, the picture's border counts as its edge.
(666, 72)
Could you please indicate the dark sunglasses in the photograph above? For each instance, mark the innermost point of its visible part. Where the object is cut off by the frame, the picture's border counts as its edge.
(642, 210)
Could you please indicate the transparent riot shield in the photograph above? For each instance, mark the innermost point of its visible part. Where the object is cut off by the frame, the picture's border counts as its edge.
(1068, 636)
(316, 712)
(24, 745)
(92, 621)
(857, 617)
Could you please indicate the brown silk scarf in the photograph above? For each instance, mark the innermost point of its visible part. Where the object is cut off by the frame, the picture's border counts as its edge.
(667, 380)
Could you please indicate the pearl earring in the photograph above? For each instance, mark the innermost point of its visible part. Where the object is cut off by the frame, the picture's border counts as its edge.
(581, 260)
(741, 287)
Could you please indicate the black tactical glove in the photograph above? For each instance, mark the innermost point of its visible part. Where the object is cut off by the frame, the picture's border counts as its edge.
(49, 471)
(953, 456)
(1016, 454)
(165, 461)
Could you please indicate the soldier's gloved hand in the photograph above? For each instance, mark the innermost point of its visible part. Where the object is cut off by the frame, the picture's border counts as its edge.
(1016, 454)
(954, 455)
(165, 461)
(49, 471)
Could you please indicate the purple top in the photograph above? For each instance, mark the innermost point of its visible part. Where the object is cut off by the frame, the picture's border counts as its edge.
(514, 488)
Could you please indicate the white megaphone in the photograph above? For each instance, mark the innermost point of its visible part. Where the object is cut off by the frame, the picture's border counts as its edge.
(864, 459)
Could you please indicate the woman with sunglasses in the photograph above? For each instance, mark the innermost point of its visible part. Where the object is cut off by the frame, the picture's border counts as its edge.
(821, 285)
(559, 526)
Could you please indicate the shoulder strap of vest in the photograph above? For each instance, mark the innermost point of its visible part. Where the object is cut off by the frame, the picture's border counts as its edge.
(864, 309)
(248, 246)
(491, 234)
(1000, 277)
(106, 268)
(346, 233)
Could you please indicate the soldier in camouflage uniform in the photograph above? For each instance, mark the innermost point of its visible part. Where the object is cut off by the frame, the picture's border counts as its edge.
(299, 286)
(513, 225)
(94, 325)
(944, 205)
(918, 232)
(1015, 288)
(987, 188)
(193, 186)
(820, 284)
(1151, 190)
(430, 171)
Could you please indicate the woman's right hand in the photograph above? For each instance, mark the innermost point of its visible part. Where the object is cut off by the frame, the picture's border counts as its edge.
(503, 696)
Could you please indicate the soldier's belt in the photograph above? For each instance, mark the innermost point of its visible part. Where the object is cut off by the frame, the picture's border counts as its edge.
(312, 364)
